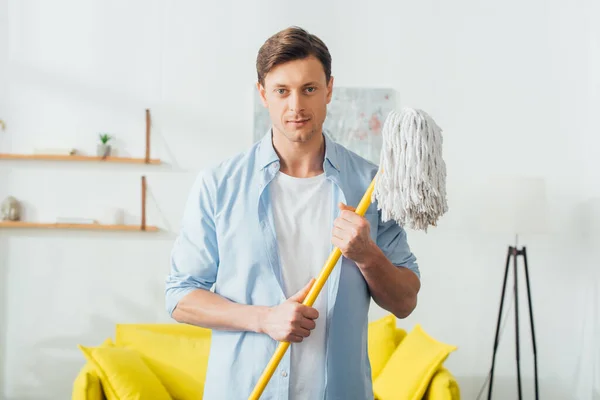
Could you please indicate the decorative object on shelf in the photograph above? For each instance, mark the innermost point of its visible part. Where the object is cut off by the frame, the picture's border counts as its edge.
(103, 149)
(2, 125)
(114, 216)
(10, 209)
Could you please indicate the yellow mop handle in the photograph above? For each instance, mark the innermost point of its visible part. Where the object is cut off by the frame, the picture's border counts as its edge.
(309, 300)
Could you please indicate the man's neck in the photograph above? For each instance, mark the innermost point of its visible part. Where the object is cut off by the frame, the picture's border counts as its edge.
(301, 160)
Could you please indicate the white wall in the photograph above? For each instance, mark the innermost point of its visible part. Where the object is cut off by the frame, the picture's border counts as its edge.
(514, 85)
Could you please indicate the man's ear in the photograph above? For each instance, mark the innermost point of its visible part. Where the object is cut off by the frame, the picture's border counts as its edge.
(261, 92)
(329, 89)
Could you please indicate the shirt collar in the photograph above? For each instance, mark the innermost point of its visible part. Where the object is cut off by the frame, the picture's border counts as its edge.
(267, 154)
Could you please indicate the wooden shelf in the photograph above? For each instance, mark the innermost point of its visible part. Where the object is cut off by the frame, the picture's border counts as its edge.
(143, 227)
(96, 227)
(76, 157)
(54, 157)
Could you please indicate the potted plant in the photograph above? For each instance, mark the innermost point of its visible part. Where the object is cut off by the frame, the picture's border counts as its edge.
(103, 149)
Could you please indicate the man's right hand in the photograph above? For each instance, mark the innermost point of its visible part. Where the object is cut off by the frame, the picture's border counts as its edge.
(290, 321)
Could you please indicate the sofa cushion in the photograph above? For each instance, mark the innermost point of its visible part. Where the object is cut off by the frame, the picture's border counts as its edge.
(124, 375)
(382, 342)
(409, 370)
(400, 334)
(178, 359)
(87, 385)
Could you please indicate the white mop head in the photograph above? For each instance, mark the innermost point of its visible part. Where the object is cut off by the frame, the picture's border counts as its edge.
(411, 185)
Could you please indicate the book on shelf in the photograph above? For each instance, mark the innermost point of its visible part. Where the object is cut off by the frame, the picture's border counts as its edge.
(75, 220)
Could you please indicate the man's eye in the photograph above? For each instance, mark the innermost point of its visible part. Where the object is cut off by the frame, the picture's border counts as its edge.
(311, 89)
(280, 91)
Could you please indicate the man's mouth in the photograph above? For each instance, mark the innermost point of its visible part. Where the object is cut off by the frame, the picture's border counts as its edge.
(298, 121)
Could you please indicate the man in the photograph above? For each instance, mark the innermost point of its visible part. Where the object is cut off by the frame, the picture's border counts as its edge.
(259, 227)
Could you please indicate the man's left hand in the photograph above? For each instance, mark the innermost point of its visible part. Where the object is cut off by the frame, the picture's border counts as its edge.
(352, 235)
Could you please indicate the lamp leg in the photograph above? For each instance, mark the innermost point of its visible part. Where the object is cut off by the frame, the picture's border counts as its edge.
(524, 252)
(508, 255)
(518, 352)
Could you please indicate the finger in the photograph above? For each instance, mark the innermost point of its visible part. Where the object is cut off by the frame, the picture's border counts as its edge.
(309, 312)
(345, 225)
(307, 323)
(343, 206)
(351, 216)
(301, 295)
(340, 234)
(337, 242)
(301, 332)
(343, 222)
(294, 338)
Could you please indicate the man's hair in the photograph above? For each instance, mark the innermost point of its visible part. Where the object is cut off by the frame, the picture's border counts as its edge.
(290, 44)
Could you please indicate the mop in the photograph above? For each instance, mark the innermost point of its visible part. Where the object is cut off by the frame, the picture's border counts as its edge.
(409, 187)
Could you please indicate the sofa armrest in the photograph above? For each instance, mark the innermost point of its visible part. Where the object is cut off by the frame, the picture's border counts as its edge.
(443, 386)
(87, 385)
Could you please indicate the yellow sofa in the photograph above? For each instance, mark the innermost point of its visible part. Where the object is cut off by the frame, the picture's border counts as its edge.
(161, 361)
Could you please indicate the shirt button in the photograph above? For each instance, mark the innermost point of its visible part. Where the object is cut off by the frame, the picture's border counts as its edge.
(284, 374)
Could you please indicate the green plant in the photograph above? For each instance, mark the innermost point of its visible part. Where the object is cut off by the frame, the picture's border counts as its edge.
(104, 137)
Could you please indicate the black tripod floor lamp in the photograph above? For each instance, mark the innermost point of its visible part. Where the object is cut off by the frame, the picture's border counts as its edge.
(514, 253)
(520, 207)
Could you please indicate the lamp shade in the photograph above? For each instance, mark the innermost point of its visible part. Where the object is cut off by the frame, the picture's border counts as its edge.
(513, 205)
(589, 217)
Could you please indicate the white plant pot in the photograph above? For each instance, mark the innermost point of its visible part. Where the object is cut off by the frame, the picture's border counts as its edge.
(103, 150)
(114, 216)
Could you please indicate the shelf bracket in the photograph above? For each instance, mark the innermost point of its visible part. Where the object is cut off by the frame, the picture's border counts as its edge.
(148, 124)
(143, 225)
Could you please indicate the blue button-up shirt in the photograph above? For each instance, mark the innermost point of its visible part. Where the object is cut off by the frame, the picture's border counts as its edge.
(228, 243)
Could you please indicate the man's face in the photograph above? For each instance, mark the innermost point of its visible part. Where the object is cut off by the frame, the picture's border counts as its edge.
(296, 94)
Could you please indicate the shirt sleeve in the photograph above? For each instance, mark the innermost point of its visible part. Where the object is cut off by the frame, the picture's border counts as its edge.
(392, 240)
(194, 256)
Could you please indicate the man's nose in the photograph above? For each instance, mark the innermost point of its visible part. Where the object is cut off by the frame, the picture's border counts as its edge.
(296, 102)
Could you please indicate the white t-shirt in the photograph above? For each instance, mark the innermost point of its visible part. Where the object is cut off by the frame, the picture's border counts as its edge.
(302, 213)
